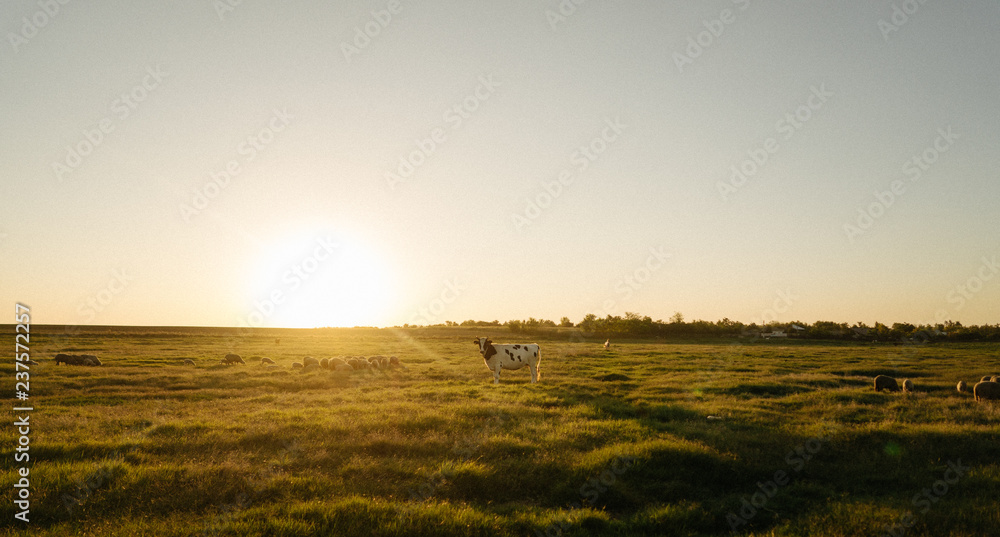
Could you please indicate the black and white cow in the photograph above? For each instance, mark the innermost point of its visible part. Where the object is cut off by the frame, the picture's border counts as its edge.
(509, 356)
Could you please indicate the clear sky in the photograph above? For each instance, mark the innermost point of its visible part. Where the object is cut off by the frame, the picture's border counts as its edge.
(375, 163)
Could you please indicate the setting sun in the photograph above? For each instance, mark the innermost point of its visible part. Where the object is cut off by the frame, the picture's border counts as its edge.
(314, 279)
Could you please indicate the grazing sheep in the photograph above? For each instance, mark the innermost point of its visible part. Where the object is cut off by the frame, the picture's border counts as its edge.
(987, 378)
(266, 361)
(232, 359)
(342, 367)
(908, 386)
(309, 360)
(188, 361)
(68, 359)
(77, 359)
(607, 344)
(987, 391)
(962, 386)
(394, 361)
(325, 363)
(883, 382)
(310, 368)
(296, 365)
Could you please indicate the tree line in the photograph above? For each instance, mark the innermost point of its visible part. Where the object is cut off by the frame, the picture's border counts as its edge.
(633, 325)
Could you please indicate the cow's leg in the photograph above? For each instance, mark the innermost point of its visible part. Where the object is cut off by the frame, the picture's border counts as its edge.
(534, 372)
(496, 375)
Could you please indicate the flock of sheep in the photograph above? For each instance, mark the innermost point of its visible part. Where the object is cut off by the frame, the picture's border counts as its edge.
(78, 359)
(987, 389)
(346, 363)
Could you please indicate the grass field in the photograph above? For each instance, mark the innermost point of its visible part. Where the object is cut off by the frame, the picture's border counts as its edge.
(649, 438)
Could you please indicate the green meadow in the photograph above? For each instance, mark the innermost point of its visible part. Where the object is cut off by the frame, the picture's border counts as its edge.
(755, 437)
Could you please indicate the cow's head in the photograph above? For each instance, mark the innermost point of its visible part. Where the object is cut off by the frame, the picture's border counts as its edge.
(485, 347)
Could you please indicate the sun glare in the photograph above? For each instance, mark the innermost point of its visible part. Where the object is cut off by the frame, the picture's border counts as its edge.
(319, 279)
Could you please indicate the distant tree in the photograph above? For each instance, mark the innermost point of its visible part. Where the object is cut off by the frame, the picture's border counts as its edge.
(565, 322)
(677, 318)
